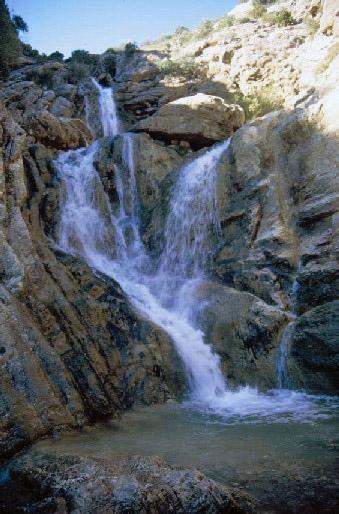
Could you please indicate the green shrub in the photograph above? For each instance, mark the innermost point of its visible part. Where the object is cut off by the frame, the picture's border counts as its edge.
(311, 24)
(28, 51)
(283, 18)
(130, 49)
(185, 67)
(84, 57)
(204, 29)
(258, 10)
(56, 56)
(246, 19)
(111, 50)
(259, 104)
(10, 46)
(226, 21)
(42, 76)
(78, 71)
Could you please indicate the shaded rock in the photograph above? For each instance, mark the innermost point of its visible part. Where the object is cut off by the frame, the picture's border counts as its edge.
(62, 107)
(201, 120)
(278, 203)
(315, 348)
(155, 169)
(48, 483)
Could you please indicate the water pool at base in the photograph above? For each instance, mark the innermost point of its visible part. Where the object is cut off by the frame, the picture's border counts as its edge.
(287, 467)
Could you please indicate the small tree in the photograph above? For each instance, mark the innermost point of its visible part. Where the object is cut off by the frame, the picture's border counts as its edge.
(284, 18)
(204, 29)
(9, 42)
(28, 51)
(79, 56)
(226, 21)
(56, 56)
(20, 24)
(130, 49)
(84, 57)
(258, 10)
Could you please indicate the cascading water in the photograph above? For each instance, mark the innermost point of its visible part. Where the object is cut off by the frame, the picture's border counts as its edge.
(193, 218)
(110, 122)
(282, 374)
(111, 243)
(193, 224)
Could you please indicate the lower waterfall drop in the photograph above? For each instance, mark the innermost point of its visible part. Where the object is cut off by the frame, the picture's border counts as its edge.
(91, 230)
(282, 373)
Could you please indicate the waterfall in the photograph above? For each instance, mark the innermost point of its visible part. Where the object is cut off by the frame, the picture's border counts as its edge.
(111, 125)
(87, 225)
(110, 242)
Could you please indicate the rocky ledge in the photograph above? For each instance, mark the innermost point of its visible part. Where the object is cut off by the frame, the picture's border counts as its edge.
(50, 484)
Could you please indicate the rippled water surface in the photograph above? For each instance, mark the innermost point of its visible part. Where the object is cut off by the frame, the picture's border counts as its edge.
(292, 462)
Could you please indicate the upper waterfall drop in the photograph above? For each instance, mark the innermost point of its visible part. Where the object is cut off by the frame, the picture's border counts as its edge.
(110, 121)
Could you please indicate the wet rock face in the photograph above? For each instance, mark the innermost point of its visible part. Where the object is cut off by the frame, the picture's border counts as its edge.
(156, 167)
(50, 484)
(244, 331)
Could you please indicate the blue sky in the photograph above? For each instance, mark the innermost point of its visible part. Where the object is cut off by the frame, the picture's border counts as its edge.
(95, 25)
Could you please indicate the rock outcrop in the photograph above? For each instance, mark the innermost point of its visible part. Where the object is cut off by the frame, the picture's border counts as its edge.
(65, 484)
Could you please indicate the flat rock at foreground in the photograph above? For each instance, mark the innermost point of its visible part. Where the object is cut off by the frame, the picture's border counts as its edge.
(64, 484)
(201, 120)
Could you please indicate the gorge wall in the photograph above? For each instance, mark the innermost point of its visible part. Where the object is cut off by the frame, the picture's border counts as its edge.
(72, 348)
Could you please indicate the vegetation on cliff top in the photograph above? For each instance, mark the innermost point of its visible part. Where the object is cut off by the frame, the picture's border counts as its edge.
(10, 46)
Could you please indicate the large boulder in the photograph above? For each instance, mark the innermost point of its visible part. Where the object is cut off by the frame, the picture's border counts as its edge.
(49, 483)
(201, 120)
(278, 203)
